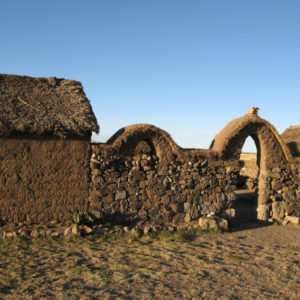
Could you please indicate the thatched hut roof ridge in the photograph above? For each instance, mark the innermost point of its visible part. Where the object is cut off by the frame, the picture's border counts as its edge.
(44, 106)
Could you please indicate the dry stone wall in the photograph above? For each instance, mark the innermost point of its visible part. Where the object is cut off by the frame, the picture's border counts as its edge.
(283, 188)
(141, 176)
(138, 189)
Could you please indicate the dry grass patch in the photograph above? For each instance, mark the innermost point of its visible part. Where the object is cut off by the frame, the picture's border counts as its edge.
(179, 265)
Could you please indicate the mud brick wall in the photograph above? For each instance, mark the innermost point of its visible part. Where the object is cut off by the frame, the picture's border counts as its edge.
(43, 179)
(139, 189)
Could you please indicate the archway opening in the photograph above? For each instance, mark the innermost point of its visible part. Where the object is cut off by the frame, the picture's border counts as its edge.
(145, 147)
(246, 200)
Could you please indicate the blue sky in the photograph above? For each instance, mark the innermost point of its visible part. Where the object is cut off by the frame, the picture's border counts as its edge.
(187, 66)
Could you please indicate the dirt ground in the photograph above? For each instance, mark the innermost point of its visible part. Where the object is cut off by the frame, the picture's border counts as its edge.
(250, 262)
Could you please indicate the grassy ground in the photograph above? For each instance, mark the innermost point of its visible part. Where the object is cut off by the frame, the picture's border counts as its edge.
(248, 263)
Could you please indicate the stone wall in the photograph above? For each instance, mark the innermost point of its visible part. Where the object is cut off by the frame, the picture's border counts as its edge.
(283, 188)
(139, 189)
(141, 176)
(280, 185)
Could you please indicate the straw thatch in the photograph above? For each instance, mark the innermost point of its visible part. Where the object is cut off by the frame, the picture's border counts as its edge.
(291, 136)
(44, 106)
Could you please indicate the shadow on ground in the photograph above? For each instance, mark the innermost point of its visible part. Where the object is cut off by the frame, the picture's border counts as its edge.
(246, 225)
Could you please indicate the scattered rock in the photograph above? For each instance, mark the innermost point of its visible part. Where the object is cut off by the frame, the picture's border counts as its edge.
(100, 230)
(10, 234)
(213, 222)
(126, 229)
(75, 229)
(222, 224)
(203, 222)
(67, 231)
(229, 213)
(147, 229)
(85, 230)
(35, 233)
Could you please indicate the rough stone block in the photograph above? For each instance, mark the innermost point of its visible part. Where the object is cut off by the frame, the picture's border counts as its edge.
(229, 213)
(187, 207)
(212, 222)
(169, 215)
(222, 223)
(178, 218)
(219, 205)
(194, 213)
(147, 204)
(276, 185)
(203, 222)
(120, 195)
(75, 230)
(293, 219)
(278, 210)
(205, 210)
(95, 215)
(176, 207)
(165, 200)
(187, 218)
(108, 198)
(142, 213)
(200, 186)
(206, 223)
(95, 194)
(263, 212)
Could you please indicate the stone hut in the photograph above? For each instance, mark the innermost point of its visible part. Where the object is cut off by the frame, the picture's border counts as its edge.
(45, 131)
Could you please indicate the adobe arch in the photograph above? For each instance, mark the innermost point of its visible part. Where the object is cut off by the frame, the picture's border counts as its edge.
(128, 138)
(271, 151)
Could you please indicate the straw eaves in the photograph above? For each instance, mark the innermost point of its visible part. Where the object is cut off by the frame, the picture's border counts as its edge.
(44, 106)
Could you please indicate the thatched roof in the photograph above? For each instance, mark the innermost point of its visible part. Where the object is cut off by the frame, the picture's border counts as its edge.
(44, 106)
(291, 136)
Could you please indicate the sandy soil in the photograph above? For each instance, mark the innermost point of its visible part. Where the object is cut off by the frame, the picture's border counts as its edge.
(250, 262)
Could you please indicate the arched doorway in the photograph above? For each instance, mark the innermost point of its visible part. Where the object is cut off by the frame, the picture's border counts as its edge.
(271, 152)
(245, 204)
